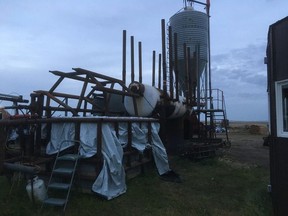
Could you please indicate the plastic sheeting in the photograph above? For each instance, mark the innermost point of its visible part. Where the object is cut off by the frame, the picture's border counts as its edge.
(88, 138)
(140, 142)
(110, 182)
(59, 133)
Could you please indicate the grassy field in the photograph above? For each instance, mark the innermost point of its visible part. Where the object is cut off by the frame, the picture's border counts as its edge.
(211, 187)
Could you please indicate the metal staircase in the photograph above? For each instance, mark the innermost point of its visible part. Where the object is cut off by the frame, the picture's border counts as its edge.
(218, 116)
(220, 120)
(208, 140)
(61, 179)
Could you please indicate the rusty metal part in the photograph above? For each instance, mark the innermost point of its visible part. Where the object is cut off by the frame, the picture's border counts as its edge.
(164, 57)
(100, 86)
(176, 66)
(159, 71)
(13, 98)
(171, 66)
(37, 157)
(153, 67)
(132, 59)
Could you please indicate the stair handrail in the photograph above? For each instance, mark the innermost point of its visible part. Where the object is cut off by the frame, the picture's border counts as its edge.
(54, 166)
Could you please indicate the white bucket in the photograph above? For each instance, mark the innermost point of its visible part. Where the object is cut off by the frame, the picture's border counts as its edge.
(39, 189)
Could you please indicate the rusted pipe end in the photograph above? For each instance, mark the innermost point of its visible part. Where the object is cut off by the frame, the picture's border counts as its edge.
(137, 88)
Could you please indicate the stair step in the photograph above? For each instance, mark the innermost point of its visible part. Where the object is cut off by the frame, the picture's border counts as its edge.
(55, 201)
(64, 168)
(61, 186)
(63, 171)
(69, 157)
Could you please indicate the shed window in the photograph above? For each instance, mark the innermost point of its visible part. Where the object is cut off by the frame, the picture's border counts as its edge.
(282, 108)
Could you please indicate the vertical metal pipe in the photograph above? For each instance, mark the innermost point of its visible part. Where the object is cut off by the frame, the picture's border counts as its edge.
(198, 76)
(123, 61)
(186, 74)
(164, 57)
(48, 111)
(66, 102)
(124, 58)
(209, 57)
(140, 61)
(206, 87)
(40, 104)
(153, 67)
(195, 75)
(106, 105)
(189, 70)
(159, 72)
(176, 66)
(132, 59)
(85, 108)
(171, 63)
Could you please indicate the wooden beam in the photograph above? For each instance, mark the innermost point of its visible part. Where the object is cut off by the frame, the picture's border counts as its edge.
(73, 111)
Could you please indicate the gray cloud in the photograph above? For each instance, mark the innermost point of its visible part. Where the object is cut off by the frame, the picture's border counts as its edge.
(244, 65)
(38, 36)
(241, 73)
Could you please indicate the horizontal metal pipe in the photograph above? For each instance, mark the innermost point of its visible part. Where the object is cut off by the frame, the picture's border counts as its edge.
(13, 98)
(76, 119)
(21, 168)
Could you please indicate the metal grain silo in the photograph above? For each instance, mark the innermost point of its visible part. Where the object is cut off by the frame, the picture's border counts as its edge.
(191, 27)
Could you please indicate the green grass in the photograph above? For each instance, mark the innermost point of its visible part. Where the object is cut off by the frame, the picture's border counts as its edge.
(210, 187)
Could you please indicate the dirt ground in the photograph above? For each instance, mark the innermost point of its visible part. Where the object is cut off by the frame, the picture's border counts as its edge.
(247, 143)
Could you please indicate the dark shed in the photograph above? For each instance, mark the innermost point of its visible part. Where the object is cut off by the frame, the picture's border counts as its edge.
(277, 74)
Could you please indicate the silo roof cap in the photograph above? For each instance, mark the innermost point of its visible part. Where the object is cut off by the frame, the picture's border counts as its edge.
(190, 8)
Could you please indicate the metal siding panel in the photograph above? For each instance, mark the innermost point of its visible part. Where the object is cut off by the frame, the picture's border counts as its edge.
(279, 175)
(277, 69)
(281, 50)
(271, 81)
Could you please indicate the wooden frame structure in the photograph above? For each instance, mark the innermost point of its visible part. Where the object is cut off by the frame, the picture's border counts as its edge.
(101, 86)
(45, 105)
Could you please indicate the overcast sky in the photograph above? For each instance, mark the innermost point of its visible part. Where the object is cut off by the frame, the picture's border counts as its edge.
(41, 35)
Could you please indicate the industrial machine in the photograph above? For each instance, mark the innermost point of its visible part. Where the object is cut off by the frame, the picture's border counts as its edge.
(109, 113)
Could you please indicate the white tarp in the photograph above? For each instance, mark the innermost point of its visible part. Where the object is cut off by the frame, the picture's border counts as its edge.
(59, 133)
(88, 138)
(110, 182)
(140, 142)
(159, 151)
